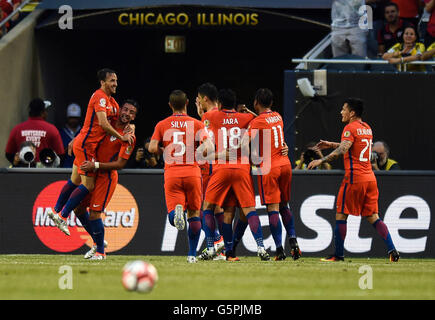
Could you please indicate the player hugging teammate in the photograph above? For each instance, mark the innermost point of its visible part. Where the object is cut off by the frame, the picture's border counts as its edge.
(228, 182)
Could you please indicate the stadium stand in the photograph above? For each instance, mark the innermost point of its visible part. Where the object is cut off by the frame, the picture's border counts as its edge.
(13, 11)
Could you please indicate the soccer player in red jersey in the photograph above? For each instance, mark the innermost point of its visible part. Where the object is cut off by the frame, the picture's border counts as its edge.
(181, 136)
(275, 171)
(206, 103)
(358, 194)
(102, 109)
(113, 155)
(231, 175)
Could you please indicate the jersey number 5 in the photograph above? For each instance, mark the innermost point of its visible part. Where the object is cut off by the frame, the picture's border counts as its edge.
(178, 140)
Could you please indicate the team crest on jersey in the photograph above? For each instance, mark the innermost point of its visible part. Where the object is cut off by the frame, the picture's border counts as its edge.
(347, 134)
(128, 150)
(207, 123)
(103, 102)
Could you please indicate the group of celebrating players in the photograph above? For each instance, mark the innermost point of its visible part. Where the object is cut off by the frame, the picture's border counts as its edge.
(209, 169)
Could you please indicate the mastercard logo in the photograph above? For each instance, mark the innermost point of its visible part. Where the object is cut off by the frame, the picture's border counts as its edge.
(120, 219)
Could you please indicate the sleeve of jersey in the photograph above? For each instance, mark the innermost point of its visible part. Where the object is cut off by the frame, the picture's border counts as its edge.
(99, 103)
(157, 135)
(127, 149)
(348, 134)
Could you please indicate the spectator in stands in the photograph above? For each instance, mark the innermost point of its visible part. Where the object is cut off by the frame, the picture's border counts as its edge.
(407, 51)
(410, 10)
(378, 23)
(347, 37)
(37, 130)
(69, 132)
(310, 153)
(3, 15)
(145, 160)
(430, 31)
(393, 29)
(381, 160)
(430, 53)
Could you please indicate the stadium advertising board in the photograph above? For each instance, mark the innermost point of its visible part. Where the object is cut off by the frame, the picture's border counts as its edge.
(136, 223)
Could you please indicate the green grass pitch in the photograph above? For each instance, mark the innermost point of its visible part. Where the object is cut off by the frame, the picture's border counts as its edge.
(37, 277)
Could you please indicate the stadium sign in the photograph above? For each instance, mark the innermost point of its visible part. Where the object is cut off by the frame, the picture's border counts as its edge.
(406, 203)
(120, 219)
(324, 228)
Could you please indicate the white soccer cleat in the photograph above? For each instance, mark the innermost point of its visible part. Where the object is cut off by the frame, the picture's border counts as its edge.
(191, 259)
(98, 256)
(219, 246)
(262, 253)
(93, 250)
(208, 254)
(220, 256)
(58, 221)
(179, 217)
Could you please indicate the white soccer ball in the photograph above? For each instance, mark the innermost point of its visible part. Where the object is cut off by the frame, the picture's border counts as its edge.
(139, 276)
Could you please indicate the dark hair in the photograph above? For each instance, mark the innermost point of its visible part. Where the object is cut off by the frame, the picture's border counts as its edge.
(134, 103)
(264, 97)
(209, 90)
(102, 74)
(178, 99)
(413, 28)
(227, 98)
(389, 4)
(36, 107)
(356, 105)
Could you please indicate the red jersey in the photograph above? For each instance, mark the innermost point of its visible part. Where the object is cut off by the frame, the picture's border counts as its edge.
(431, 23)
(408, 8)
(228, 127)
(92, 133)
(269, 125)
(36, 130)
(111, 148)
(357, 164)
(180, 136)
(207, 168)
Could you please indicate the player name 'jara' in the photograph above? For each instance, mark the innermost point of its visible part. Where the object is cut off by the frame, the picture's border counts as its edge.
(230, 121)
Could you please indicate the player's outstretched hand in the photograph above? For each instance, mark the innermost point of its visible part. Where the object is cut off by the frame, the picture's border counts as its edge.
(323, 144)
(314, 164)
(87, 166)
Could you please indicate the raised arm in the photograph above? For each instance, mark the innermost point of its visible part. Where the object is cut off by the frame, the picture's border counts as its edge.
(338, 152)
(104, 123)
